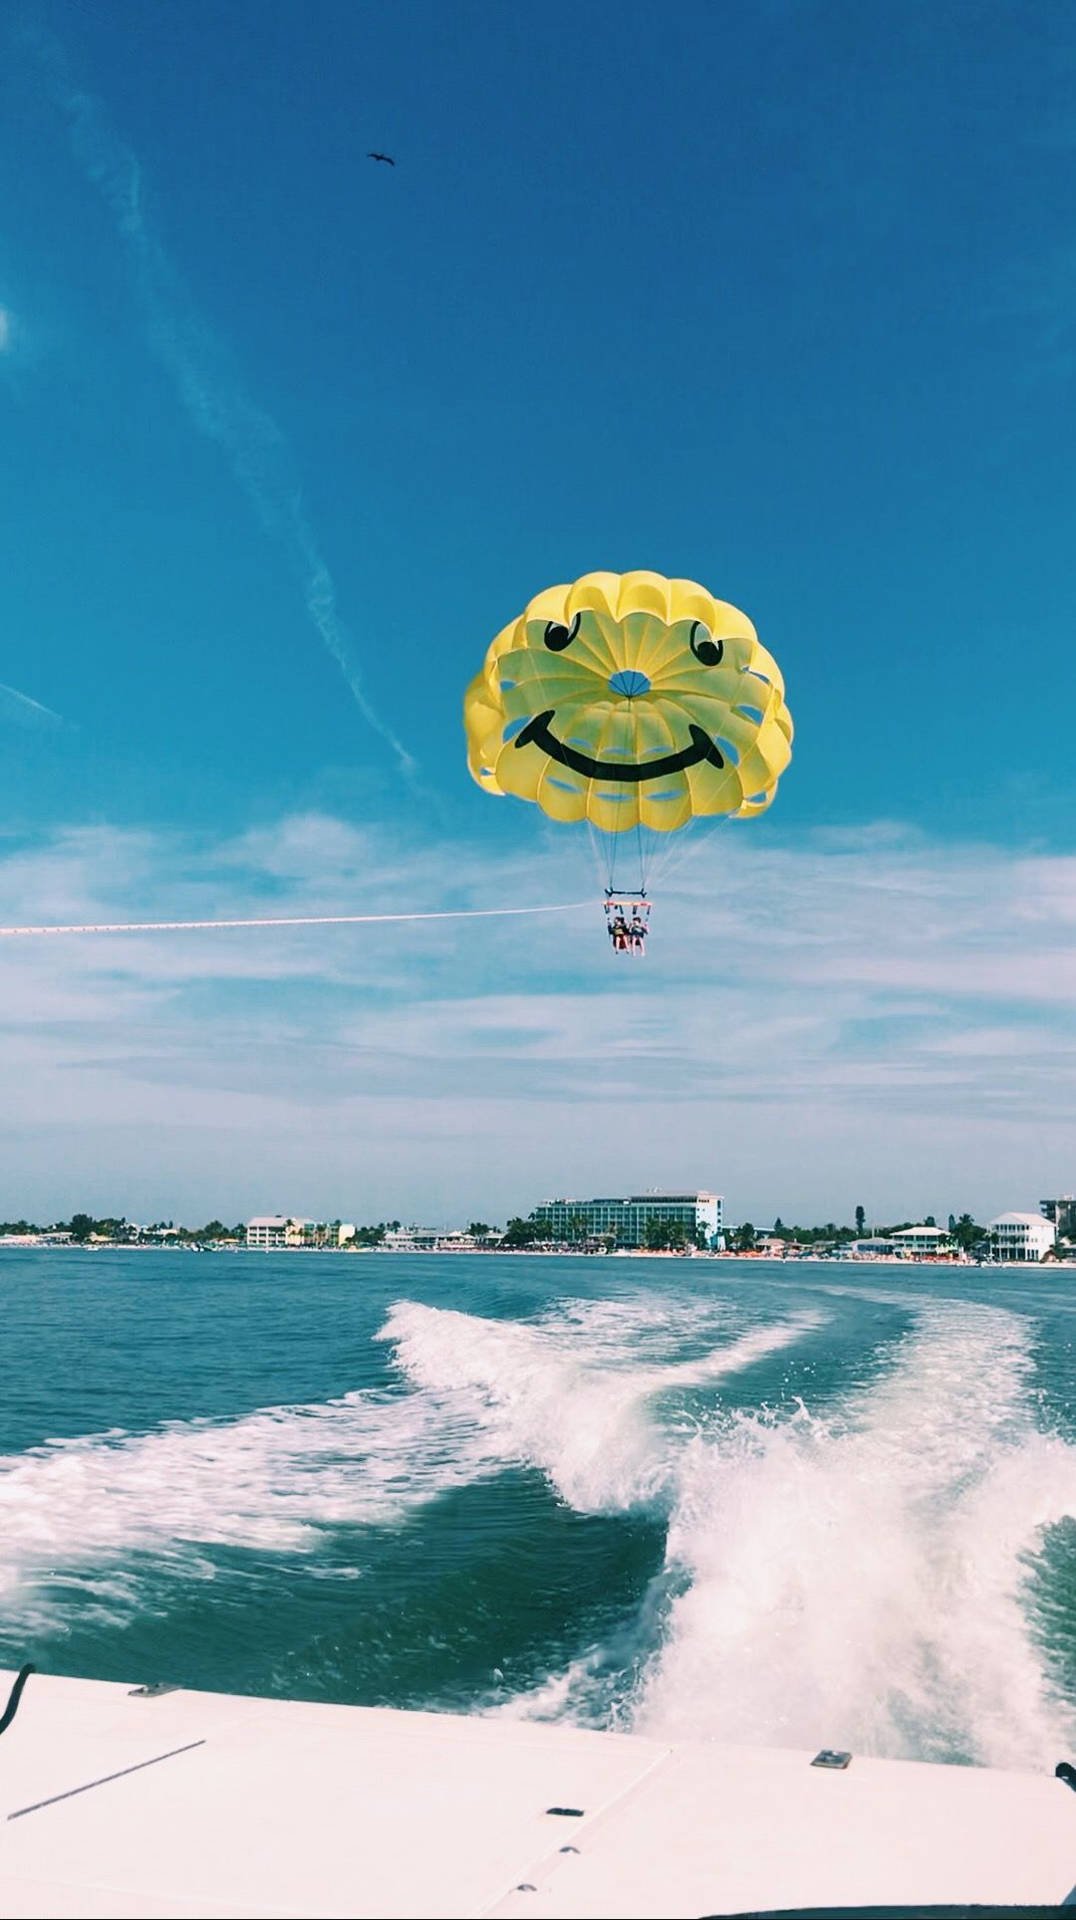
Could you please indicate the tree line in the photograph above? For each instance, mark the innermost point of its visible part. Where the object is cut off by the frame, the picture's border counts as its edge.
(965, 1232)
(88, 1226)
(83, 1227)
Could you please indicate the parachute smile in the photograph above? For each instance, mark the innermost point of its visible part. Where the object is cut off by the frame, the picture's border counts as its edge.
(537, 733)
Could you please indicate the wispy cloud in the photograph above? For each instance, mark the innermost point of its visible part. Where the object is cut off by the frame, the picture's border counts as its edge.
(210, 391)
(24, 712)
(865, 1020)
(7, 330)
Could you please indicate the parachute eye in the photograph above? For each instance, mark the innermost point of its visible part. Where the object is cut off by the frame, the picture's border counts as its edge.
(557, 637)
(708, 652)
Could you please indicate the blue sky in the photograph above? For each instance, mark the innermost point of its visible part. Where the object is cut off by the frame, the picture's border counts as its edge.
(780, 298)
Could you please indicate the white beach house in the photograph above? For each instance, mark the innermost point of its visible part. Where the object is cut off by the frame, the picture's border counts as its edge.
(1022, 1236)
(921, 1243)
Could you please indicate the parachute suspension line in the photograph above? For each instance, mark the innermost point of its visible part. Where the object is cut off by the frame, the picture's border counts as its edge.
(600, 867)
(627, 863)
(691, 838)
(605, 848)
(622, 860)
(641, 842)
(294, 920)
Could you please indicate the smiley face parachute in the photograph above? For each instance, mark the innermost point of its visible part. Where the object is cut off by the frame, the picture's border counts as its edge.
(636, 704)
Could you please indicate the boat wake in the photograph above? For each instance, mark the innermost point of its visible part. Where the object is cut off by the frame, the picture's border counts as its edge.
(575, 1395)
(871, 1571)
(92, 1518)
(78, 1515)
(862, 1578)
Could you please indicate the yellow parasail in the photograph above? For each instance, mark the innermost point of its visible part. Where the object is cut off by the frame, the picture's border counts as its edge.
(629, 700)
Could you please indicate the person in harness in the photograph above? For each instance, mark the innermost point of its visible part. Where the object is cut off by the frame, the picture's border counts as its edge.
(637, 932)
(618, 931)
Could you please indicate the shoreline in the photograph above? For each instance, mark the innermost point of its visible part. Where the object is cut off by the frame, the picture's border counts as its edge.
(31, 1245)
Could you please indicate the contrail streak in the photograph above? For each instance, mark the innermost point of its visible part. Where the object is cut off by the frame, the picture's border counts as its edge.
(28, 712)
(209, 390)
(293, 920)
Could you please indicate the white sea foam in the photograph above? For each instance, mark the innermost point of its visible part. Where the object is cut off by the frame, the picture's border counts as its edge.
(858, 1574)
(272, 1481)
(859, 1577)
(102, 1510)
(568, 1395)
(861, 1580)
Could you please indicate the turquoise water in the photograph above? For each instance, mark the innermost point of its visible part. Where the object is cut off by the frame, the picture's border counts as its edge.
(810, 1504)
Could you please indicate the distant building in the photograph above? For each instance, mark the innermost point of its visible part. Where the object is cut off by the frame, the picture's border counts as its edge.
(281, 1230)
(411, 1239)
(907, 1243)
(1062, 1213)
(920, 1241)
(628, 1219)
(435, 1240)
(1022, 1236)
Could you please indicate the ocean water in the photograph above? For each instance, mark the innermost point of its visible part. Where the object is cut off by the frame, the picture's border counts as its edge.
(798, 1504)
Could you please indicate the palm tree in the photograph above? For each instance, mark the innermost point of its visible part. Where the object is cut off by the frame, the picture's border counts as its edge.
(966, 1233)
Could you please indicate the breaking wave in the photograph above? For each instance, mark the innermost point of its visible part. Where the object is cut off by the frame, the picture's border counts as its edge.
(575, 1396)
(860, 1578)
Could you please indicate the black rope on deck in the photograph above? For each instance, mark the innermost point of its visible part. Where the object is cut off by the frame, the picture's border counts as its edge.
(15, 1696)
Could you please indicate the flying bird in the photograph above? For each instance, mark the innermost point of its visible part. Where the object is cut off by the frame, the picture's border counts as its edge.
(386, 159)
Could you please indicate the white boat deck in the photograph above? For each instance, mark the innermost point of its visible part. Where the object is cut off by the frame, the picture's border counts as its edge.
(210, 1804)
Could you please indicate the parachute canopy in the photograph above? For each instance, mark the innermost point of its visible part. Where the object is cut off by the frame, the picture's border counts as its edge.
(628, 700)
